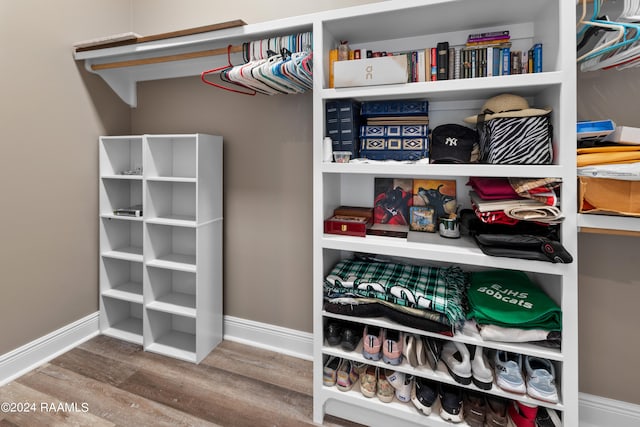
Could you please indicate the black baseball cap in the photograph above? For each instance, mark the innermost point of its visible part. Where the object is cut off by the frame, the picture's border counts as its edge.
(452, 143)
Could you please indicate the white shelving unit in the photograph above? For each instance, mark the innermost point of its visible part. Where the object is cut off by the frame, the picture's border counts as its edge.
(161, 274)
(416, 25)
(168, 283)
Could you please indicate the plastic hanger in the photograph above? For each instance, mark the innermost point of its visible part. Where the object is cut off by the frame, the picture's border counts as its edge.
(222, 70)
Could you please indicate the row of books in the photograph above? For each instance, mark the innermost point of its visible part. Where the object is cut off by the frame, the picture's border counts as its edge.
(449, 63)
(484, 54)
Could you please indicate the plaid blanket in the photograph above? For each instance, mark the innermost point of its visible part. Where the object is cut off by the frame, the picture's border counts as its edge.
(433, 288)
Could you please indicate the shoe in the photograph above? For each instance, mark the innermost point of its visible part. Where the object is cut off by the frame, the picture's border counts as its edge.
(403, 392)
(329, 373)
(350, 337)
(433, 351)
(410, 349)
(456, 357)
(369, 381)
(392, 346)
(541, 379)
(474, 408)
(450, 403)
(424, 393)
(421, 348)
(346, 376)
(496, 415)
(508, 370)
(333, 332)
(481, 372)
(522, 415)
(396, 379)
(371, 342)
(547, 417)
(384, 389)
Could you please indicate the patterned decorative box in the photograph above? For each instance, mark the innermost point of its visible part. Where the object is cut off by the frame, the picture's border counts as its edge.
(394, 148)
(408, 107)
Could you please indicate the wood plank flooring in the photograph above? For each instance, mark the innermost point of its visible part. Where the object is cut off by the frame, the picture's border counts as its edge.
(107, 382)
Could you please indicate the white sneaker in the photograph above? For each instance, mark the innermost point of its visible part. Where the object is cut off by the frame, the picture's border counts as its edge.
(509, 372)
(456, 358)
(482, 374)
(541, 377)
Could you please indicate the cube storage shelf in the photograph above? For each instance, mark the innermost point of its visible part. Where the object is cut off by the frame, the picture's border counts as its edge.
(161, 273)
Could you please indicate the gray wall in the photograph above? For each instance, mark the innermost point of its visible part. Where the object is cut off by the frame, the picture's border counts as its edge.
(608, 280)
(53, 112)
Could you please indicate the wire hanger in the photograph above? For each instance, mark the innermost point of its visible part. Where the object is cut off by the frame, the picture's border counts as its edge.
(222, 70)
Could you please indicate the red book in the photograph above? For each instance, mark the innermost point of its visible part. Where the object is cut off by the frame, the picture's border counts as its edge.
(434, 64)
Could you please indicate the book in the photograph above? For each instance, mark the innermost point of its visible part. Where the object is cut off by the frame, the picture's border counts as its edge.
(394, 108)
(443, 60)
(434, 64)
(506, 61)
(389, 230)
(398, 120)
(537, 58)
(480, 36)
(452, 63)
(333, 57)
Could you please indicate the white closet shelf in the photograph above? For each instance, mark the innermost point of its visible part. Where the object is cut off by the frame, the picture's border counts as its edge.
(421, 169)
(608, 222)
(475, 339)
(462, 251)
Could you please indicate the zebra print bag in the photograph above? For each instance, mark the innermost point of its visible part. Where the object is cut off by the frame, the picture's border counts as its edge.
(516, 140)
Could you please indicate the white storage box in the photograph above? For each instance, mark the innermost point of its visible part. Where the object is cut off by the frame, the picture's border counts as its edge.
(370, 71)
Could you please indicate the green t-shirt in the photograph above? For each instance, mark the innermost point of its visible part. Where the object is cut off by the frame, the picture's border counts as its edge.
(510, 299)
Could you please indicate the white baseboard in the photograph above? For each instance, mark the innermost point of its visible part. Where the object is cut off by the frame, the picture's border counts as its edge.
(595, 411)
(31, 355)
(270, 337)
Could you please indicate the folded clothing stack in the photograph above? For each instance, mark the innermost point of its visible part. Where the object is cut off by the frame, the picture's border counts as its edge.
(421, 288)
(510, 299)
(516, 218)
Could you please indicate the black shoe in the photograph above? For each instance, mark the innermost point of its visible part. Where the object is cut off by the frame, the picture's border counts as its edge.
(424, 393)
(451, 403)
(333, 332)
(351, 335)
(547, 417)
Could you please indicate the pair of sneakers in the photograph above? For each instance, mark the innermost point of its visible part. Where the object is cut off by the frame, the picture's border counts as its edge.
(382, 343)
(343, 373)
(511, 369)
(467, 365)
(425, 392)
(374, 382)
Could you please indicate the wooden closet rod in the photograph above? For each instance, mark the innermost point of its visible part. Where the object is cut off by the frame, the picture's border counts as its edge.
(168, 58)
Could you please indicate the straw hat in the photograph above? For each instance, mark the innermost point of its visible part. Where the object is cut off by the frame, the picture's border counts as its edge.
(506, 105)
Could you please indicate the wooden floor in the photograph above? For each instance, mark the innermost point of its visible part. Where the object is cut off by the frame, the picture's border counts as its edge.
(107, 382)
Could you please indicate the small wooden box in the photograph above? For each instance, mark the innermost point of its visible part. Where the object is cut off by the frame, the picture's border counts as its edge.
(347, 225)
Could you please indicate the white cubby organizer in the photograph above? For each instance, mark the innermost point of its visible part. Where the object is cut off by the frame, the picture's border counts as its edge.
(165, 306)
(161, 273)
